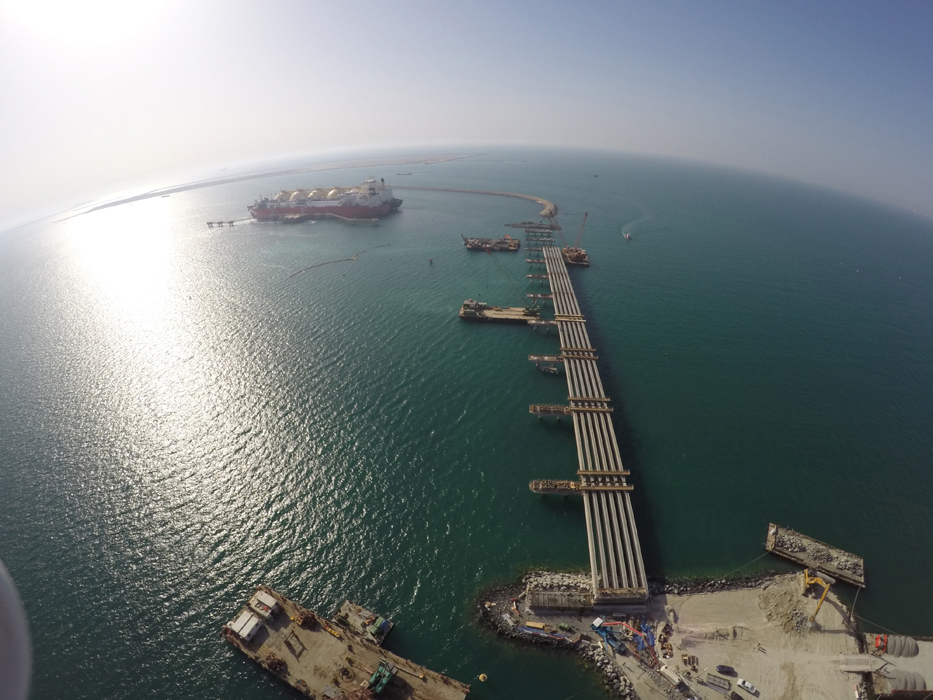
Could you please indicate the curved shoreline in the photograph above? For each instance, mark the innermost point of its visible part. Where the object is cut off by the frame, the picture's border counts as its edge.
(227, 179)
(504, 610)
(549, 211)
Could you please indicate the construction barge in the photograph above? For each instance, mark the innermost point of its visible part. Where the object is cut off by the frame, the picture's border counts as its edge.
(473, 310)
(814, 554)
(496, 245)
(339, 660)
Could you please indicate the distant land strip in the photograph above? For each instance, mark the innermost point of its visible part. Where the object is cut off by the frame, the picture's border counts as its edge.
(320, 167)
(549, 211)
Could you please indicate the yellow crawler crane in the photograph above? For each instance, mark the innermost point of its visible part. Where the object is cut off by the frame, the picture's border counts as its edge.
(811, 577)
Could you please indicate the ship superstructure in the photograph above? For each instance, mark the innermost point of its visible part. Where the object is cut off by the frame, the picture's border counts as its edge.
(372, 199)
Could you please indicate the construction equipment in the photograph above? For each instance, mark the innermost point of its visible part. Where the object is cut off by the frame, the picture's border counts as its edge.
(645, 640)
(576, 243)
(813, 577)
(381, 677)
(575, 255)
(605, 633)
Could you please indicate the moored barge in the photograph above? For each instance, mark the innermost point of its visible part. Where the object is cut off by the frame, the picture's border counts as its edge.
(339, 659)
(506, 245)
(473, 310)
(811, 553)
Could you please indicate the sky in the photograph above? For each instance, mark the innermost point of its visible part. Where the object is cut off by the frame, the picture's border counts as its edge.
(99, 95)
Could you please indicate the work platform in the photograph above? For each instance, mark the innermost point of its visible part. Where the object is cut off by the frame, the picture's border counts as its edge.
(328, 660)
(811, 553)
(480, 312)
(616, 565)
(546, 358)
(568, 488)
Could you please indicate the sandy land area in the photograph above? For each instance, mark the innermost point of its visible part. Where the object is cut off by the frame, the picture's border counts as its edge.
(760, 628)
(763, 633)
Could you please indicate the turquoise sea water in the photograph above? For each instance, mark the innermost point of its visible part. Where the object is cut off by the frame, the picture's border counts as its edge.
(181, 417)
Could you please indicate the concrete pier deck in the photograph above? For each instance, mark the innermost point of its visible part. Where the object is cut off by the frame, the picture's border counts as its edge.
(617, 569)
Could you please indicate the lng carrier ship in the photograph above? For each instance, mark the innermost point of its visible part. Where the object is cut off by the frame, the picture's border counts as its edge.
(370, 200)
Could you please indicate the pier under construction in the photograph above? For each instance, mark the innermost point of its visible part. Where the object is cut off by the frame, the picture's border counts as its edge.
(616, 565)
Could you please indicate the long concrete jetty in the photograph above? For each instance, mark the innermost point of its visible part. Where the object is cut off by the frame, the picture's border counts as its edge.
(616, 565)
(549, 211)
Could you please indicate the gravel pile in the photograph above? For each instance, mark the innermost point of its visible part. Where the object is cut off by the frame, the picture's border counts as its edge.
(789, 544)
(818, 553)
(555, 581)
(615, 680)
(797, 620)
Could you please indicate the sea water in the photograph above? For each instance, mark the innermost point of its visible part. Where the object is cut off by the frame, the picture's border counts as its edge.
(185, 413)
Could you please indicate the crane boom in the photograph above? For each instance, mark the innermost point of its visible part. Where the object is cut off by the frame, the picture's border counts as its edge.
(580, 232)
(815, 579)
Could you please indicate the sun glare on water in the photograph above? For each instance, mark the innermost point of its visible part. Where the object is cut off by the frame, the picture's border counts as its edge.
(126, 253)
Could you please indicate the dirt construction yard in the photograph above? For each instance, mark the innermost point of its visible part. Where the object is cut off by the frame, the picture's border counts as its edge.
(764, 634)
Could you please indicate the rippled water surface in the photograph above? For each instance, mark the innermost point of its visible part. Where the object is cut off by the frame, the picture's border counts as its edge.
(182, 417)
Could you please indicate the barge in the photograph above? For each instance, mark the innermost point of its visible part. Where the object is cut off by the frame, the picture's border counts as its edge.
(340, 659)
(498, 245)
(814, 554)
(481, 311)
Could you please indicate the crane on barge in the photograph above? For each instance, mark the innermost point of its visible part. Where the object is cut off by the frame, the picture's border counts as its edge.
(575, 255)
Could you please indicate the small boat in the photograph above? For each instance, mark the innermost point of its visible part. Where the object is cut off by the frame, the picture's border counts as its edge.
(548, 369)
(628, 236)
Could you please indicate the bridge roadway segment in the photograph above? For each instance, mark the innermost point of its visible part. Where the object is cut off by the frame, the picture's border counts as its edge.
(618, 572)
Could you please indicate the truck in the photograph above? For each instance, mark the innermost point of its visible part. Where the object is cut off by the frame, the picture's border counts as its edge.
(672, 676)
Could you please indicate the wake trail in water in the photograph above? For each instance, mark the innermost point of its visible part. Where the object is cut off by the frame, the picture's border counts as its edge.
(644, 215)
(331, 262)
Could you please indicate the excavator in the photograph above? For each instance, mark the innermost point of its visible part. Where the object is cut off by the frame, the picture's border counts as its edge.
(812, 577)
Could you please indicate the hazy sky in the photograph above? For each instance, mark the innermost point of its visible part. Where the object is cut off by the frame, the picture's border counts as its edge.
(99, 93)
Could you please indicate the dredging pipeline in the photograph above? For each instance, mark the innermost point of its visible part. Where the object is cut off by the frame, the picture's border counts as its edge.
(549, 211)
